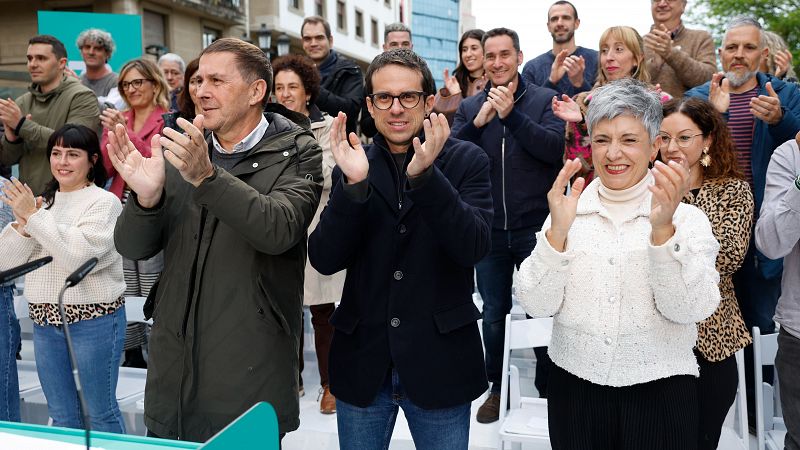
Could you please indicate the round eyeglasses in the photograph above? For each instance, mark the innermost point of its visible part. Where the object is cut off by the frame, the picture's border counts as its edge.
(683, 140)
(385, 100)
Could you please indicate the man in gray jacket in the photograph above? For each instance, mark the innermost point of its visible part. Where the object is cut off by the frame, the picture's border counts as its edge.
(230, 212)
(778, 236)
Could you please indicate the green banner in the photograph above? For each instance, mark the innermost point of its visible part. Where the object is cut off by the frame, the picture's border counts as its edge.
(126, 29)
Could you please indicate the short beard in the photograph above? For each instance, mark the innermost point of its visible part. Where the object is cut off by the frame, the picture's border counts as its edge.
(737, 80)
(563, 40)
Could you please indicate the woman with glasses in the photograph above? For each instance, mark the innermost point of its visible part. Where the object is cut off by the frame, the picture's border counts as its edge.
(693, 133)
(146, 93)
(296, 87)
(626, 270)
(468, 78)
(621, 56)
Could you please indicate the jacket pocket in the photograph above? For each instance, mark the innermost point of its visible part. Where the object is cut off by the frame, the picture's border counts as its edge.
(268, 311)
(456, 317)
(343, 321)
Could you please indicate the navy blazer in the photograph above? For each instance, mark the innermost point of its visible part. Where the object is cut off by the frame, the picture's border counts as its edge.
(407, 299)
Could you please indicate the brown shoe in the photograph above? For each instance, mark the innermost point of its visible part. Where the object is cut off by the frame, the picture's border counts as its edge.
(327, 405)
(490, 409)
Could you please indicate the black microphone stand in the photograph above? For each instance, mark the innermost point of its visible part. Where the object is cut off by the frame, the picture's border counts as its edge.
(87, 424)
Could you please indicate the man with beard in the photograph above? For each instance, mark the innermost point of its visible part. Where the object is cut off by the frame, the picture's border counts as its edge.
(762, 112)
(678, 58)
(567, 69)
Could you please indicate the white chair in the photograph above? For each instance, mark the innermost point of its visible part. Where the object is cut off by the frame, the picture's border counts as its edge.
(770, 429)
(526, 420)
(737, 436)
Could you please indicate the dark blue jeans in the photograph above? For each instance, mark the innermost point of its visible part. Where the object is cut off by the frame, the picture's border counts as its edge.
(495, 275)
(371, 428)
(9, 342)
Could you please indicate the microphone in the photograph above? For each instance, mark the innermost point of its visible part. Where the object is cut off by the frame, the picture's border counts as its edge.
(76, 277)
(16, 272)
(73, 279)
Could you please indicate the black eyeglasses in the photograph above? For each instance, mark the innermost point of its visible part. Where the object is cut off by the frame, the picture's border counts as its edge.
(385, 100)
(137, 83)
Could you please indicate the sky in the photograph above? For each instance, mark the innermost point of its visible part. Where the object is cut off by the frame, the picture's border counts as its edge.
(529, 19)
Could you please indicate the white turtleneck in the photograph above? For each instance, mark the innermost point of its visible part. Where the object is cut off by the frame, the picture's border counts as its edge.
(621, 204)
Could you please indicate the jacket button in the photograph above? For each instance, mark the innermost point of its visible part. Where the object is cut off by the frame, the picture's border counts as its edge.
(255, 165)
(608, 341)
(395, 322)
(260, 310)
(179, 334)
(285, 153)
(402, 229)
(398, 275)
(677, 248)
(565, 262)
(611, 261)
(612, 299)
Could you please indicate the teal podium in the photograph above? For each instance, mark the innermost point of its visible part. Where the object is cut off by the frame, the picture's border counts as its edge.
(255, 429)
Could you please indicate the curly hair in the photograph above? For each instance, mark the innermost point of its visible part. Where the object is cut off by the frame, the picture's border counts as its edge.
(710, 122)
(304, 68)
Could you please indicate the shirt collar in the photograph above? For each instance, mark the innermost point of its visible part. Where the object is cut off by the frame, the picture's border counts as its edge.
(248, 142)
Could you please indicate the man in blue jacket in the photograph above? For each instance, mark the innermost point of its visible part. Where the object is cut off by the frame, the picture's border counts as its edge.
(762, 112)
(513, 122)
(408, 218)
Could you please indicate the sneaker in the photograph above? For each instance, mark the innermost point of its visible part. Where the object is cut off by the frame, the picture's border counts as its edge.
(490, 410)
(327, 402)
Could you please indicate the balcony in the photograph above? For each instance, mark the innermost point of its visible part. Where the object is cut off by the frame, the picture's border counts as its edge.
(231, 10)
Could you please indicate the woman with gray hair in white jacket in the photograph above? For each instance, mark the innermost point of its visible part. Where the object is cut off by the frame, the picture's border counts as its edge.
(626, 270)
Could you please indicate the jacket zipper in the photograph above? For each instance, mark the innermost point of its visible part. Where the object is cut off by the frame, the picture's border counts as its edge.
(503, 165)
(399, 186)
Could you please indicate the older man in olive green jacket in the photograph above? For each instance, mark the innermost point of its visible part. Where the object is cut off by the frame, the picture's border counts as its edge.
(231, 212)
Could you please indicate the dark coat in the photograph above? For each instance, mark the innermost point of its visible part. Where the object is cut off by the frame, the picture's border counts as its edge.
(342, 90)
(227, 321)
(525, 150)
(766, 138)
(407, 300)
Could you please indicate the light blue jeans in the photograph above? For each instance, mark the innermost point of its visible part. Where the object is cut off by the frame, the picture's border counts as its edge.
(9, 342)
(98, 349)
(371, 428)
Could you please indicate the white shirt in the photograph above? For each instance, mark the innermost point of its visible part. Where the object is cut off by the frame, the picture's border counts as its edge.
(248, 142)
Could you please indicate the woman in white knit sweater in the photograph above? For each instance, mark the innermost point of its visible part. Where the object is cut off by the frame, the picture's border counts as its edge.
(72, 222)
(626, 270)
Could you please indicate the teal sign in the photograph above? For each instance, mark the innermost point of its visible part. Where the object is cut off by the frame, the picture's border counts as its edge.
(126, 29)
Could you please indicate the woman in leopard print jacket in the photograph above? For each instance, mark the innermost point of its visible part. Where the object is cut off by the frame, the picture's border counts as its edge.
(694, 133)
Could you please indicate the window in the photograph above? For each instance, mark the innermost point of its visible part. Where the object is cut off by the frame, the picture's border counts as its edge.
(319, 8)
(387, 3)
(375, 34)
(154, 25)
(341, 16)
(296, 4)
(210, 35)
(359, 24)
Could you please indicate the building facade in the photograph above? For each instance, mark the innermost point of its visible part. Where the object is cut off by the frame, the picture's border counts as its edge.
(435, 25)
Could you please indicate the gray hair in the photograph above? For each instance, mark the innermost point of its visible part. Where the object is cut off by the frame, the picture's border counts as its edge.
(98, 36)
(397, 26)
(746, 21)
(626, 97)
(173, 57)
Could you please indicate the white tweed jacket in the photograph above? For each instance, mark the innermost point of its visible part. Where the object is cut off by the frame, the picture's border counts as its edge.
(625, 311)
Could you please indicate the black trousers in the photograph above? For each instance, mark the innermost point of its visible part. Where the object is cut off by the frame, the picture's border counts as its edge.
(658, 415)
(716, 392)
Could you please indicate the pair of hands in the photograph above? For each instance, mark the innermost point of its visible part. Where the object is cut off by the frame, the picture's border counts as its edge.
(499, 102)
(764, 107)
(110, 117)
(659, 41)
(10, 115)
(146, 176)
(571, 65)
(20, 199)
(671, 184)
(352, 160)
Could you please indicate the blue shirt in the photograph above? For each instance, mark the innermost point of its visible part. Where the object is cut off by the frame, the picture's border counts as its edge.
(537, 71)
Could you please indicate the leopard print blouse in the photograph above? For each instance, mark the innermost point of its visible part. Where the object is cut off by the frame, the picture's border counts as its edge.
(44, 314)
(728, 203)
